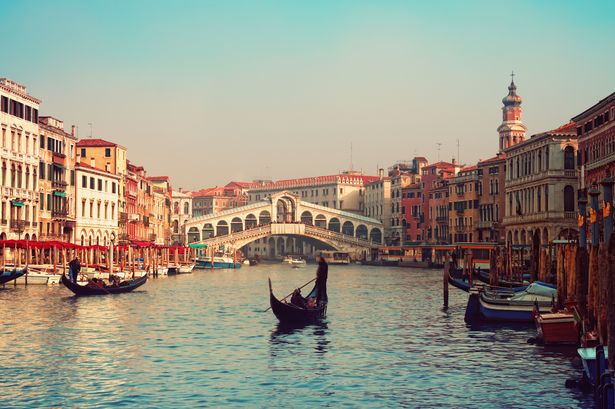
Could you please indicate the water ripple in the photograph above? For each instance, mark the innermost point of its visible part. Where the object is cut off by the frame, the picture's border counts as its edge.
(203, 340)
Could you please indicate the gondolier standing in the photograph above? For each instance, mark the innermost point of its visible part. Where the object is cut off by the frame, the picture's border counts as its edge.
(74, 269)
(321, 280)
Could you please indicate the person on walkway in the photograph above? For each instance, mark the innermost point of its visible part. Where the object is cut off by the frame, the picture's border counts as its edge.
(74, 269)
(321, 280)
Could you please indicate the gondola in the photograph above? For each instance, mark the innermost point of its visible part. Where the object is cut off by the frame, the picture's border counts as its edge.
(9, 275)
(291, 314)
(124, 287)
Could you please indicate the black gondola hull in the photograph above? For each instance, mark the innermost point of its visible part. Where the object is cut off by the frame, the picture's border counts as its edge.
(291, 315)
(7, 275)
(89, 290)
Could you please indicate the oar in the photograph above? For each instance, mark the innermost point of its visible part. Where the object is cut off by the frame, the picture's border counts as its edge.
(311, 281)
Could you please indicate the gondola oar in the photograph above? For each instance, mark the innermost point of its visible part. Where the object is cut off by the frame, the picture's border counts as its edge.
(311, 281)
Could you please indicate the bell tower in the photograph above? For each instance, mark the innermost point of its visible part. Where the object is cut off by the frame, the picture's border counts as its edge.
(512, 130)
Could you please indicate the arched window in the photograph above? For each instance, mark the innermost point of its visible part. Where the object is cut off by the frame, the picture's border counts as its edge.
(569, 157)
(186, 208)
(568, 198)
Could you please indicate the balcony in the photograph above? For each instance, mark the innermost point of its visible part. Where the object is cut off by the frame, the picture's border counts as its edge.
(59, 214)
(59, 184)
(123, 217)
(441, 219)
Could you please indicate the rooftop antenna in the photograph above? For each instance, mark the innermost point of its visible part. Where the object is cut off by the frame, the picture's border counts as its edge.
(439, 145)
(91, 126)
(458, 158)
(351, 164)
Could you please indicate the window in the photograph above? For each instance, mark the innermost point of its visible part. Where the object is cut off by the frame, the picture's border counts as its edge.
(83, 152)
(100, 185)
(84, 181)
(569, 157)
(92, 184)
(568, 198)
(107, 152)
(112, 187)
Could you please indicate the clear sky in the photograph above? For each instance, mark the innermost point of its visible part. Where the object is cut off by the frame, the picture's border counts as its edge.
(212, 91)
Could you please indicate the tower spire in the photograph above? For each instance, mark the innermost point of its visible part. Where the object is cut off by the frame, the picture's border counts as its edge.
(512, 130)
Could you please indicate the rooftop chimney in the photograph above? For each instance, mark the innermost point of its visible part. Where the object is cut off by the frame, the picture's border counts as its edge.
(381, 173)
(72, 130)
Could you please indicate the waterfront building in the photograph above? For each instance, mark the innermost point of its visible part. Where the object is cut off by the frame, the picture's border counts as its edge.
(596, 137)
(463, 207)
(19, 130)
(110, 157)
(217, 199)
(432, 175)
(181, 213)
(491, 199)
(344, 191)
(402, 174)
(161, 209)
(138, 204)
(413, 216)
(541, 184)
(56, 181)
(378, 200)
(439, 212)
(96, 198)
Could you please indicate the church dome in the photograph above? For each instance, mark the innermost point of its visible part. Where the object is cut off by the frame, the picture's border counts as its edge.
(512, 99)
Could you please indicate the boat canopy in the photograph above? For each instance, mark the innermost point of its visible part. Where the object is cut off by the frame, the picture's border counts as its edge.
(197, 245)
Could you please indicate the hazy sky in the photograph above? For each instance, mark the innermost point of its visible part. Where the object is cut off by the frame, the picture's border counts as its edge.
(212, 91)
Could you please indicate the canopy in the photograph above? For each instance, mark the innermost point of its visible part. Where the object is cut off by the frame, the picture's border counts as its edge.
(197, 245)
(61, 194)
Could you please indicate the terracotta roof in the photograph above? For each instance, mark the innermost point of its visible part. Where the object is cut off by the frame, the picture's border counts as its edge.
(441, 164)
(86, 166)
(158, 178)
(496, 158)
(570, 127)
(242, 184)
(84, 143)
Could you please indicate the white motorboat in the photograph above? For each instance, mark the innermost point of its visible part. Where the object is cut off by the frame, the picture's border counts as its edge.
(185, 268)
(295, 262)
(34, 277)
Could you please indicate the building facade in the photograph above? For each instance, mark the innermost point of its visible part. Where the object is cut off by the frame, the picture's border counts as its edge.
(463, 205)
(491, 199)
(56, 181)
(344, 191)
(181, 212)
(438, 212)
(97, 205)
(138, 204)
(161, 209)
(596, 136)
(541, 185)
(110, 157)
(19, 130)
(402, 175)
(378, 200)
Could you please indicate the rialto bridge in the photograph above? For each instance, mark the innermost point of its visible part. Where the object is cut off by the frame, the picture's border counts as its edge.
(284, 224)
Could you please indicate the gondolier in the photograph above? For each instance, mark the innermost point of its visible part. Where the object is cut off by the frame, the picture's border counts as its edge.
(321, 280)
(74, 269)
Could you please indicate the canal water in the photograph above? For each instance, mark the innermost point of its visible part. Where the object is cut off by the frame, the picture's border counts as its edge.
(203, 340)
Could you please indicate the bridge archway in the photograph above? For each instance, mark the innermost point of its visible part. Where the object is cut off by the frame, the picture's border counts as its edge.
(193, 235)
(264, 217)
(271, 244)
(348, 228)
(286, 209)
(280, 248)
(306, 218)
(320, 221)
(376, 236)
(362, 232)
(334, 224)
(208, 231)
(251, 221)
(236, 224)
(222, 228)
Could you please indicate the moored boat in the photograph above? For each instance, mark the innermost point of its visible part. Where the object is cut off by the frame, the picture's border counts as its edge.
(185, 268)
(90, 289)
(493, 305)
(557, 328)
(291, 314)
(218, 262)
(33, 277)
(11, 274)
